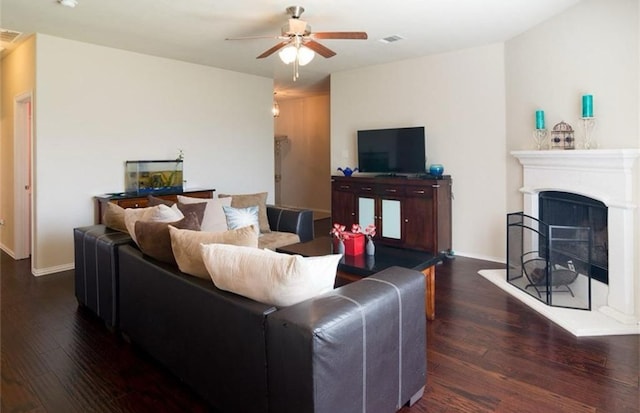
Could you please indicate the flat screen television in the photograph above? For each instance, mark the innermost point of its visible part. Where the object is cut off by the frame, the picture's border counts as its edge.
(392, 151)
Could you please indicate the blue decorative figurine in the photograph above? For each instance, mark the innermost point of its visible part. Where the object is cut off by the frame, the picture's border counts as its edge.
(348, 171)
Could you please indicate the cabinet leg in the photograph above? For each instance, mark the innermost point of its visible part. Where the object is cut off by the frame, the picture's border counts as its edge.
(430, 292)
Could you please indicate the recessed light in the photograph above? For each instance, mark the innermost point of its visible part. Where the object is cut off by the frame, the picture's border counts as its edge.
(68, 3)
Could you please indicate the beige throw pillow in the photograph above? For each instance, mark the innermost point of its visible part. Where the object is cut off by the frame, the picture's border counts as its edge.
(186, 246)
(214, 219)
(247, 200)
(113, 217)
(158, 213)
(269, 277)
(198, 208)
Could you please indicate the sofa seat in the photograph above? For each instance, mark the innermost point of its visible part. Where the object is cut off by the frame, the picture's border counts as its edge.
(276, 239)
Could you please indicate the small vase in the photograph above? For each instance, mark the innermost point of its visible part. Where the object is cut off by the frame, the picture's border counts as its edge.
(370, 248)
(340, 247)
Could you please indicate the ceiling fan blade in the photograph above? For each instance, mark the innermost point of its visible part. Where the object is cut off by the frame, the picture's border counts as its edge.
(340, 35)
(320, 49)
(274, 49)
(253, 37)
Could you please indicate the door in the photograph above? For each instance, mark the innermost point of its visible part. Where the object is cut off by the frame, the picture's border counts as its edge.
(279, 142)
(342, 206)
(419, 231)
(23, 127)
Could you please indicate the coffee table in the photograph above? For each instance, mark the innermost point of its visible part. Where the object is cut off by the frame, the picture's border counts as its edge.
(353, 267)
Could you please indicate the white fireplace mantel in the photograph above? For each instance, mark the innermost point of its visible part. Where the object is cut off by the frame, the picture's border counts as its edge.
(608, 176)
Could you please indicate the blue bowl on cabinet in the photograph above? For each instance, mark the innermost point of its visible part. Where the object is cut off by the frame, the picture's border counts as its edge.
(436, 170)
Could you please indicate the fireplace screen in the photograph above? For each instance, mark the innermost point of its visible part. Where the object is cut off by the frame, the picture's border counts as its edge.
(551, 263)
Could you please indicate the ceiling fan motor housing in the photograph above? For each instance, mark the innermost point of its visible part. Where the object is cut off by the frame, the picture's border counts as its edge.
(296, 27)
(295, 11)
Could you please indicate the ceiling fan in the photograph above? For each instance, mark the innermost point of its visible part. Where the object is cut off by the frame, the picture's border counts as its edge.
(298, 43)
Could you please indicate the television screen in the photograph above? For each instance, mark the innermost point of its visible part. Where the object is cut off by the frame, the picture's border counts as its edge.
(392, 151)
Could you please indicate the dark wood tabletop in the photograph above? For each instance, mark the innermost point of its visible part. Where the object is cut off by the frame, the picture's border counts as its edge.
(365, 265)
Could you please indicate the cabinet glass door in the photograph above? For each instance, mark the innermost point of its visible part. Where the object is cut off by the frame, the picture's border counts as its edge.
(391, 223)
(366, 211)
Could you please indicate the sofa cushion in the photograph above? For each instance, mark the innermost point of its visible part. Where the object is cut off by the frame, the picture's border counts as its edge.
(269, 277)
(113, 217)
(276, 239)
(214, 219)
(158, 213)
(241, 217)
(186, 246)
(198, 207)
(154, 239)
(247, 200)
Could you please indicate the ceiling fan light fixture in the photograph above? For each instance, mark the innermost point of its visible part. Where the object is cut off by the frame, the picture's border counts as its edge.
(288, 54)
(68, 3)
(305, 55)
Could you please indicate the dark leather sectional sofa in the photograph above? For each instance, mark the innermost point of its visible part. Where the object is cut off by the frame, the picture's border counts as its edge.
(359, 348)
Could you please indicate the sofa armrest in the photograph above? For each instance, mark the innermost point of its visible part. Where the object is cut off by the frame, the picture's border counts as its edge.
(96, 270)
(361, 347)
(297, 221)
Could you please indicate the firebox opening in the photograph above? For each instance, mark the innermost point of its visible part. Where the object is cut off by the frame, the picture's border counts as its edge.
(564, 208)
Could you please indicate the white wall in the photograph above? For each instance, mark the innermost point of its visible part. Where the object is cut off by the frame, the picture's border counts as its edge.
(305, 155)
(460, 98)
(97, 107)
(592, 48)
(18, 78)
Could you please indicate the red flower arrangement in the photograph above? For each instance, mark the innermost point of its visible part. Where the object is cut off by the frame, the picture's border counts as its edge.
(369, 231)
(354, 239)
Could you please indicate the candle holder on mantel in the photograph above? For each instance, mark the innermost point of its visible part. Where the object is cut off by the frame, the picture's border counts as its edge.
(539, 136)
(589, 124)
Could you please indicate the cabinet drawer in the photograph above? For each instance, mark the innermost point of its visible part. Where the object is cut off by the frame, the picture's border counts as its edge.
(420, 191)
(390, 190)
(364, 189)
(133, 203)
(342, 186)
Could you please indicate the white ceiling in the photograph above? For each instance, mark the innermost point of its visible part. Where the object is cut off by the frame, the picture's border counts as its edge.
(195, 30)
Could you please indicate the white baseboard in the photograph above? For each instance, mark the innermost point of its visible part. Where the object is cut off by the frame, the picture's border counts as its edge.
(52, 270)
(8, 251)
(480, 257)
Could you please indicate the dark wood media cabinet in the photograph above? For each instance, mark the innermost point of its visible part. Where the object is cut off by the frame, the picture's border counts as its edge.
(410, 213)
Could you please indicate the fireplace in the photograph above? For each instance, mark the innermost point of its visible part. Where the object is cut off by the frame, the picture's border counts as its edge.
(605, 183)
(566, 208)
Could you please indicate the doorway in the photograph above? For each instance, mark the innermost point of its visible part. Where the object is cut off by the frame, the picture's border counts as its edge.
(23, 139)
(279, 142)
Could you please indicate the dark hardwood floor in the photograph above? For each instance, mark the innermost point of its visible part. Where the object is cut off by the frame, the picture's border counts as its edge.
(486, 352)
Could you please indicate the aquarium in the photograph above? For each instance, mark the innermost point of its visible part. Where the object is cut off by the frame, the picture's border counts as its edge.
(153, 177)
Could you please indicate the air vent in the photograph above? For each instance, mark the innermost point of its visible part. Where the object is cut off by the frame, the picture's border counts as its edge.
(8, 36)
(391, 39)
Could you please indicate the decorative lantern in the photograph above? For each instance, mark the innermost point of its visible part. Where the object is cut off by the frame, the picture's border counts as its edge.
(562, 136)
